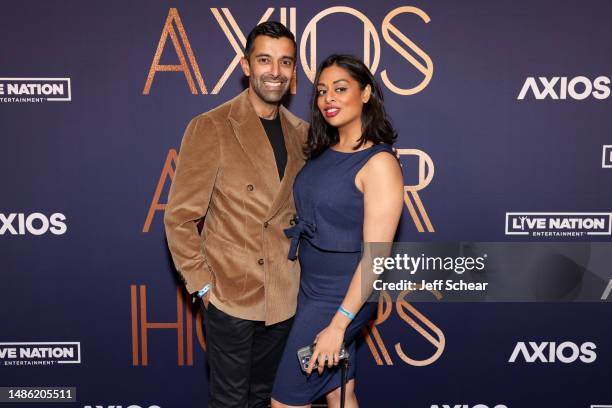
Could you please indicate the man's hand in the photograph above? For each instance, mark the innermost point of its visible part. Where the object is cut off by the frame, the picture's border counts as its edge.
(205, 299)
(203, 294)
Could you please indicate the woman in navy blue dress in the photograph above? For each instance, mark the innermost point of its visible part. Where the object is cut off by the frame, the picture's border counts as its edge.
(350, 191)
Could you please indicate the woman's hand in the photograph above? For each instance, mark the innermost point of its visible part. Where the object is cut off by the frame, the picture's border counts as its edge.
(328, 343)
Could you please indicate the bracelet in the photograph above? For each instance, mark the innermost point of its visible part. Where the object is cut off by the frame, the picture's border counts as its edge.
(203, 291)
(346, 313)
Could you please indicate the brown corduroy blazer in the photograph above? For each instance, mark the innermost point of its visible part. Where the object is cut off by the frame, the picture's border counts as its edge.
(226, 173)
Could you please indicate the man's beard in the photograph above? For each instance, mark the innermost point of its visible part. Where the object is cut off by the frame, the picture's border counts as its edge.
(270, 96)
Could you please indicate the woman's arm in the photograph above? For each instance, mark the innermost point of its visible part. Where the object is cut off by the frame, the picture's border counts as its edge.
(382, 184)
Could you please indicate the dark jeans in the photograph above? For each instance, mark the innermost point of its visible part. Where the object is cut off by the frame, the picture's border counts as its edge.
(243, 356)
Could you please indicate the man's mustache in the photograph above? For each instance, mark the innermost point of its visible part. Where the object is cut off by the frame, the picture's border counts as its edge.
(280, 78)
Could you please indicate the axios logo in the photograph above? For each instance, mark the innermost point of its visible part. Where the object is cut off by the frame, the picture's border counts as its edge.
(606, 159)
(236, 37)
(558, 224)
(35, 224)
(578, 88)
(19, 354)
(35, 90)
(468, 406)
(549, 352)
(121, 406)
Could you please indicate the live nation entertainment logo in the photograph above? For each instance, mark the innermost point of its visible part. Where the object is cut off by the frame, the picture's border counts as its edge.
(558, 224)
(40, 353)
(35, 90)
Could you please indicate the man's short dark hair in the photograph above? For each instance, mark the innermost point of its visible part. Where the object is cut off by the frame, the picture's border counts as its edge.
(272, 29)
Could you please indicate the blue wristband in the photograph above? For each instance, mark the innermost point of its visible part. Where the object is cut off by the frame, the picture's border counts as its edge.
(203, 291)
(346, 313)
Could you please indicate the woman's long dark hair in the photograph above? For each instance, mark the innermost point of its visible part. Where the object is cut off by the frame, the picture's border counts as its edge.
(375, 124)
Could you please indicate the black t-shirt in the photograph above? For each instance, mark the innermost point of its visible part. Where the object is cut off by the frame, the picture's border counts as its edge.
(274, 131)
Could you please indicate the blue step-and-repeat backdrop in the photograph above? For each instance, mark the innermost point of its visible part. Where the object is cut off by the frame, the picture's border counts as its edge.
(504, 116)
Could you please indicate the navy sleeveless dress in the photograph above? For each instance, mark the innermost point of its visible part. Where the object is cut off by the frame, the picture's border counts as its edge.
(327, 238)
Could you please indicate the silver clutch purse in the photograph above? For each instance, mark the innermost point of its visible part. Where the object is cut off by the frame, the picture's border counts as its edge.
(305, 353)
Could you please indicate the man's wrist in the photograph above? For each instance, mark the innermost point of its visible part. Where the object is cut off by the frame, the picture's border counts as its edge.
(202, 292)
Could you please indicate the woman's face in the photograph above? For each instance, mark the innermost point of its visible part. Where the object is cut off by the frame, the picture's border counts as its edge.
(340, 98)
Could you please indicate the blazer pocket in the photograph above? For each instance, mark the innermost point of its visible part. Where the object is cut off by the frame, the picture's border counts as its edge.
(229, 264)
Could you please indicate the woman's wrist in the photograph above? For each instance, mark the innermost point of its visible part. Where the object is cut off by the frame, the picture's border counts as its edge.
(340, 321)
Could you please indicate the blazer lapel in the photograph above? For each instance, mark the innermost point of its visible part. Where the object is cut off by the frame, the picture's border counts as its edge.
(295, 159)
(252, 137)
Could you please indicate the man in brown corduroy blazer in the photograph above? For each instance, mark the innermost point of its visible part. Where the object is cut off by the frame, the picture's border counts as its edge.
(235, 170)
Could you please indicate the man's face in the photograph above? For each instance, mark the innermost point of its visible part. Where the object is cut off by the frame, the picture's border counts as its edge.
(270, 67)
